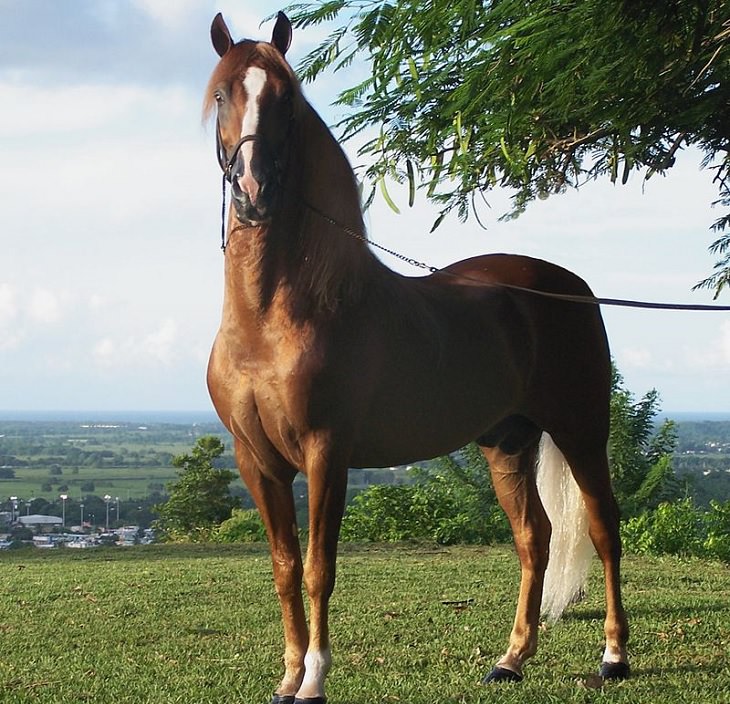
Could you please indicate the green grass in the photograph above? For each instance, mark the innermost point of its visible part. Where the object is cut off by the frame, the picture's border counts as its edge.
(200, 624)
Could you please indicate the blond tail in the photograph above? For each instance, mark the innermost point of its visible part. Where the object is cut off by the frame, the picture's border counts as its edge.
(571, 548)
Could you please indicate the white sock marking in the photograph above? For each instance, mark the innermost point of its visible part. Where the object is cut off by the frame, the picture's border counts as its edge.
(317, 665)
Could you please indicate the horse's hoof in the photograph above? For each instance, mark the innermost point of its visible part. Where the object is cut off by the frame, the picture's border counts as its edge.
(282, 699)
(501, 674)
(614, 671)
(311, 700)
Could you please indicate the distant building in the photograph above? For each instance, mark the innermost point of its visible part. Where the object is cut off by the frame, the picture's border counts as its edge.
(40, 523)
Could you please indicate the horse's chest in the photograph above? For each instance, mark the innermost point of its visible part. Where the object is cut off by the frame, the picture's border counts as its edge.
(262, 398)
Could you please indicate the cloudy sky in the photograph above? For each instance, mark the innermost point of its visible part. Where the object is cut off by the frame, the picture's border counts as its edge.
(111, 276)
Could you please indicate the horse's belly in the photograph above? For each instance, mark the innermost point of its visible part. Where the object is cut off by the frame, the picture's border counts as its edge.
(428, 425)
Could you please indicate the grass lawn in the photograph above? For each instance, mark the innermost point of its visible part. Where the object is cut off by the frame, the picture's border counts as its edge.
(163, 624)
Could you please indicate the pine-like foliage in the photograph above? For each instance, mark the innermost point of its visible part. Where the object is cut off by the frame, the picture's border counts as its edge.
(535, 95)
(640, 455)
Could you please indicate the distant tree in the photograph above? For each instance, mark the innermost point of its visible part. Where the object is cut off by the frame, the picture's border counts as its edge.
(640, 455)
(7, 473)
(200, 498)
(535, 95)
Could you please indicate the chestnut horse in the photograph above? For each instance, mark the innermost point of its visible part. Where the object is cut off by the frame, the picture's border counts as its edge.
(325, 360)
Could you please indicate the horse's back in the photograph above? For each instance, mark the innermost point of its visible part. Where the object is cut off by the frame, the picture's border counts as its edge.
(516, 270)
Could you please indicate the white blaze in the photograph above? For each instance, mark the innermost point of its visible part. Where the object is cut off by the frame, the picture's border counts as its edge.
(253, 83)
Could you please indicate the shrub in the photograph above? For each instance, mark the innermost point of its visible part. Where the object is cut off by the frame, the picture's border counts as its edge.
(717, 539)
(244, 526)
(680, 528)
(438, 508)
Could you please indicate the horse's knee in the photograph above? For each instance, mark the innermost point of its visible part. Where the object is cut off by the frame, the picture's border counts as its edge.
(288, 573)
(319, 580)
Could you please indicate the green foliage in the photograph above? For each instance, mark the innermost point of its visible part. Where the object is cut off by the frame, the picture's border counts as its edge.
(451, 502)
(244, 526)
(640, 457)
(680, 528)
(465, 96)
(200, 499)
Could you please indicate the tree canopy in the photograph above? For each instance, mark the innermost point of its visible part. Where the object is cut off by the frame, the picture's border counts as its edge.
(534, 95)
(200, 498)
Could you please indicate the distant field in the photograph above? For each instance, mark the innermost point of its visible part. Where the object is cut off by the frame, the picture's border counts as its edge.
(125, 459)
(175, 624)
(126, 483)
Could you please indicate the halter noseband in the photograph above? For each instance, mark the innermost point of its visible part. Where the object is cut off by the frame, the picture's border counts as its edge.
(224, 161)
(226, 164)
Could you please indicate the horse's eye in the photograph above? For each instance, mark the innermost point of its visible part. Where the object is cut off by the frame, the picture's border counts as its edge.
(218, 97)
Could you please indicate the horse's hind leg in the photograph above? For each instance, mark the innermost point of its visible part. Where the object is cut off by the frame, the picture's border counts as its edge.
(591, 472)
(275, 503)
(513, 475)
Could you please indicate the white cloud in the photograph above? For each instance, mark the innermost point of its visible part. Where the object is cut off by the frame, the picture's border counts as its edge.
(713, 355)
(44, 306)
(636, 357)
(724, 346)
(10, 336)
(160, 345)
(49, 110)
(157, 348)
(104, 352)
(171, 14)
(8, 305)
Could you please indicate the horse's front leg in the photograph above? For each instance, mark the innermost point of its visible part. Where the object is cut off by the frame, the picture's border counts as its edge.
(327, 488)
(275, 502)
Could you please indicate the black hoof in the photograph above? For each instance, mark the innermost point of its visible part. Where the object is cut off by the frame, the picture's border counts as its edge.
(614, 671)
(282, 699)
(501, 674)
(311, 700)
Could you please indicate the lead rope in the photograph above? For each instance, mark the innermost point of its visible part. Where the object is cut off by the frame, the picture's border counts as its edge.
(591, 300)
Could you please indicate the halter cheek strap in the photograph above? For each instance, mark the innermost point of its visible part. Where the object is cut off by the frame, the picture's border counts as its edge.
(226, 162)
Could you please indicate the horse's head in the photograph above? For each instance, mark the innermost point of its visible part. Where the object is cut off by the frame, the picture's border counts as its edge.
(253, 90)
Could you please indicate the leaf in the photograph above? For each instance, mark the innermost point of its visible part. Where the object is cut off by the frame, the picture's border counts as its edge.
(437, 163)
(386, 196)
(503, 147)
(438, 220)
(411, 183)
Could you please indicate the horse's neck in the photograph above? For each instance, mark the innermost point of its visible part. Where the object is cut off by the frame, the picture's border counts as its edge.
(302, 261)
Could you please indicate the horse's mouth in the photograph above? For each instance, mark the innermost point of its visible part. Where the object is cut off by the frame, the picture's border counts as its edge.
(249, 214)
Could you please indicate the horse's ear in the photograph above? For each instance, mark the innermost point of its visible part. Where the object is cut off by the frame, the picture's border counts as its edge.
(220, 35)
(281, 37)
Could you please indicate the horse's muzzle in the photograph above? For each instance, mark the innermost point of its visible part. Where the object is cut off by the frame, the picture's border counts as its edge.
(253, 196)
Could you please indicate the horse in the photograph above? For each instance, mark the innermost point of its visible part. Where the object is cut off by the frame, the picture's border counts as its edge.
(326, 359)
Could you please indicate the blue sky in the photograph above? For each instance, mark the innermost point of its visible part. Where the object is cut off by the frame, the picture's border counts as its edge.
(111, 277)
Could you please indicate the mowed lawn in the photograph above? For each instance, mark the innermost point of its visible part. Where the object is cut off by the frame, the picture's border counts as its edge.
(417, 624)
